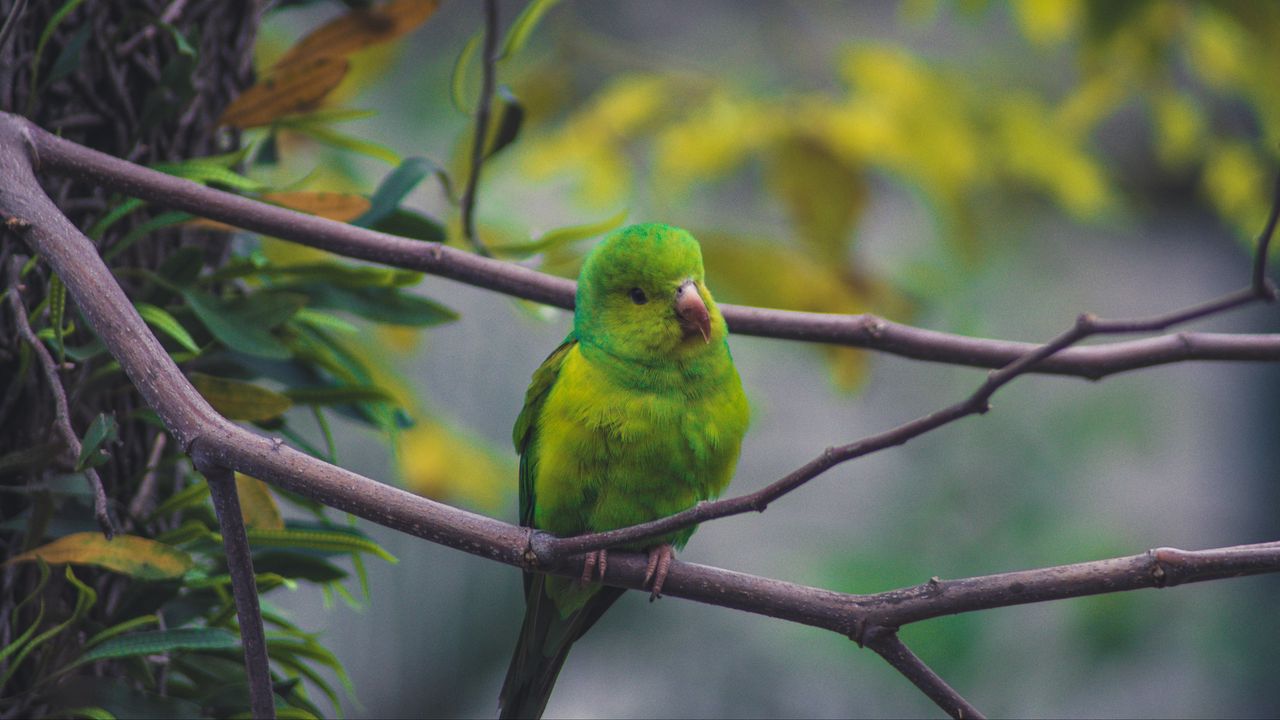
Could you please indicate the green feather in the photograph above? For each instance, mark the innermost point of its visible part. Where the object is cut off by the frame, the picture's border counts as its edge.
(634, 417)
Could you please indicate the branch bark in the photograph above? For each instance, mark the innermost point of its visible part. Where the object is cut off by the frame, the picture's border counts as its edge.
(864, 331)
(219, 446)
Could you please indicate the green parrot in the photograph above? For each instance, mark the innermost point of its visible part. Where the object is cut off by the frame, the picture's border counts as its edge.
(637, 415)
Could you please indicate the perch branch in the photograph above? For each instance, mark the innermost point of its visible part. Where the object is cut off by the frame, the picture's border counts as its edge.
(244, 588)
(214, 442)
(864, 331)
(61, 413)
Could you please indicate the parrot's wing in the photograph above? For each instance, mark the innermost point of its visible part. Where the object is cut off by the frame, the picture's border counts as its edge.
(524, 434)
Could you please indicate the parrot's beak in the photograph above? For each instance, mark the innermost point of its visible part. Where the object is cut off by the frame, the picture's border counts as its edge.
(692, 311)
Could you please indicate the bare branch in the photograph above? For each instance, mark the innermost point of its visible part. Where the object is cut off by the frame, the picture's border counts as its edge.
(864, 331)
(479, 142)
(244, 587)
(886, 643)
(62, 415)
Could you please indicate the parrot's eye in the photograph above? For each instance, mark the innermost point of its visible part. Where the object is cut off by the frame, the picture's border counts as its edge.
(638, 297)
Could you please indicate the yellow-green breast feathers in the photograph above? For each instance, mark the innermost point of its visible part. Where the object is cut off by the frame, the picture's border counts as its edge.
(637, 415)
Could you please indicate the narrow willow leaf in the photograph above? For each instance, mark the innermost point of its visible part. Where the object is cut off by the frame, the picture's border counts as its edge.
(562, 236)
(338, 395)
(342, 141)
(155, 642)
(333, 541)
(159, 222)
(384, 305)
(523, 26)
(161, 320)
(211, 171)
(113, 216)
(102, 430)
(411, 224)
(190, 496)
(86, 598)
(37, 595)
(67, 8)
(343, 207)
(129, 555)
(237, 400)
(89, 713)
(121, 628)
(461, 69)
(233, 330)
(394, 188)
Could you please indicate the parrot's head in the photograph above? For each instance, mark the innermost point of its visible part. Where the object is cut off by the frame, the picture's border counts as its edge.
(642, 296)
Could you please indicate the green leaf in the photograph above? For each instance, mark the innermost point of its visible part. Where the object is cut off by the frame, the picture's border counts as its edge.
(161, 320)
(89, 713)
(331, 273)
(28, 457)
(333, 540)
(156, 642)
(329, 136)
(524, 25)
(37, 595)
(45, 34)
(129, 555)
(563, 236)
(69, 57)
(211, 171)
(298, 566)
(237, 331)
(394, 188)
(384, 305)
(190, 496)
(338, 395)
(113, 216)
(237, 400)
(410, 224)
(159, 222)
(57, 315)
(462, 68)
(325, 116)
(121, 628)
(86, 597)
(102, 430)
(510, 118)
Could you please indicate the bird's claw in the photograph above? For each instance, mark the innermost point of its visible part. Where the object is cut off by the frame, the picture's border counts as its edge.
(594, 559)
(659, 563)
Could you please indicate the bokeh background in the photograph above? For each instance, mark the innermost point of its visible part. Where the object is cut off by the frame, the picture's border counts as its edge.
(983, 168)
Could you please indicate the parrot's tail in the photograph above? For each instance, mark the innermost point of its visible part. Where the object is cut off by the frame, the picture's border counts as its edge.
(545, 639)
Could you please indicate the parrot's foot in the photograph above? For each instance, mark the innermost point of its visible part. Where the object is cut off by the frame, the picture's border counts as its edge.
(659, 563)
(594, 558)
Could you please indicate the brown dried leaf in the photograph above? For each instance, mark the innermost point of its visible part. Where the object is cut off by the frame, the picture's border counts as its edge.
(360, 28)
(343, 207)
(288, 90)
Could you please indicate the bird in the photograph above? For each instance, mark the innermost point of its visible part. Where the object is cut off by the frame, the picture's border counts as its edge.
(640, 413)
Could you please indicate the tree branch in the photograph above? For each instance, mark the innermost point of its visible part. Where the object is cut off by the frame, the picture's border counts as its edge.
(888, 645)
(478, 143)
(216, 443)
(244, 587)
(61, 413)
(864, 331)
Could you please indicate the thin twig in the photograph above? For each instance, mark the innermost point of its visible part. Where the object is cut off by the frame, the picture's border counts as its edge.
(235, 541)
(976, 404)
(863, 331)
(886, 643)
(481, 138)
(145, 497)
(61, 414)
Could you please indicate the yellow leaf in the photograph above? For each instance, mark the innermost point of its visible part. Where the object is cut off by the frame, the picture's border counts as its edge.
(439, 462)
(358, 29)
(1180, 127)
(257, 506)
(343, 207)
(126, 554)
(823, 195)
(238, 400)
(287, 90)
(1048, 22)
